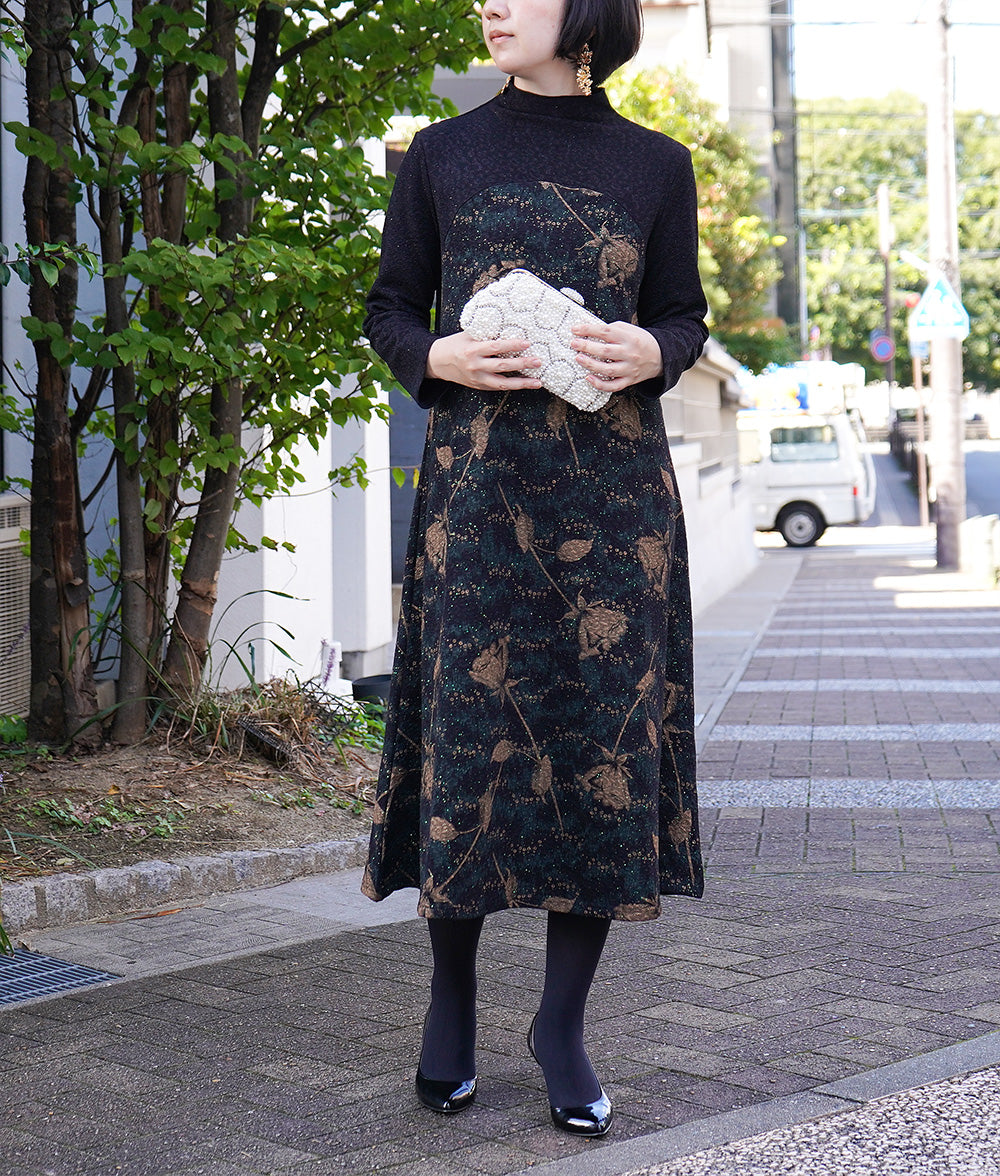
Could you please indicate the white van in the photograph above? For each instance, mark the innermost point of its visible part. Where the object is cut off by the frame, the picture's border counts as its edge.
(806, 471)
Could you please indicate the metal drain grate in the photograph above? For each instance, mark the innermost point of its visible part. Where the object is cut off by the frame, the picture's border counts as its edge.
(26, 975)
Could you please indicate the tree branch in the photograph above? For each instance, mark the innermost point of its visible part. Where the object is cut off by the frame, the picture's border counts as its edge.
(318, 36)
(263, 69)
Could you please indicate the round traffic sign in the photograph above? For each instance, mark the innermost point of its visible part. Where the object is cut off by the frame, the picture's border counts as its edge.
(883, 348)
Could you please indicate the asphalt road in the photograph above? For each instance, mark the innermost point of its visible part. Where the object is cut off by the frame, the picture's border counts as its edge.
(982, 477)
(895, 498)
(896, 501)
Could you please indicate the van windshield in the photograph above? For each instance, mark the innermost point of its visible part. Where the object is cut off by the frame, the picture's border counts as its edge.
(803, 443)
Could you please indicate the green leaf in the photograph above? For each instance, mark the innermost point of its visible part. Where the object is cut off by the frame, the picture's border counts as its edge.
(49, 272)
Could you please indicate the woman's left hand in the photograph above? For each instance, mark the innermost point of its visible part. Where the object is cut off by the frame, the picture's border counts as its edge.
(617, 355)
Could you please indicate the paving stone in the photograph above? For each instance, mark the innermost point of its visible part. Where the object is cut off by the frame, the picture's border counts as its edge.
(831, 940)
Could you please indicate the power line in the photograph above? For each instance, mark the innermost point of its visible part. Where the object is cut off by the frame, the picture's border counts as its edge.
(790, 21)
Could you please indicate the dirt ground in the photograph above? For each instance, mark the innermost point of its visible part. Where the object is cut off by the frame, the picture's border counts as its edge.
(167, 799)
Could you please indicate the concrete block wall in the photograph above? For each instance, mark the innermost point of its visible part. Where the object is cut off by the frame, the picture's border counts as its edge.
(719, 524)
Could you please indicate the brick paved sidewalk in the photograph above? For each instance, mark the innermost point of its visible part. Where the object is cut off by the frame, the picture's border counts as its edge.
(846, 926)
(871, 672)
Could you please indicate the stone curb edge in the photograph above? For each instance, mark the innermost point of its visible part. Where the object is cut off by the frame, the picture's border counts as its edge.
(63, 900)
(643, 1155)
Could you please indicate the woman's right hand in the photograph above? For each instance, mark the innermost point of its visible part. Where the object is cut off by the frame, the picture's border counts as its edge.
(482, 363)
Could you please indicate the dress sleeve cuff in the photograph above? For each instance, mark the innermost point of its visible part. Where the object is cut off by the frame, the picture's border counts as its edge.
(680, 348)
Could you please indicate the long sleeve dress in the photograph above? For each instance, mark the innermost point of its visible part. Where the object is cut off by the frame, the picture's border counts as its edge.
(539, 740)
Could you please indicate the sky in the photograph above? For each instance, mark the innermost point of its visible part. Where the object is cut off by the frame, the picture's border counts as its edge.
(866, 48)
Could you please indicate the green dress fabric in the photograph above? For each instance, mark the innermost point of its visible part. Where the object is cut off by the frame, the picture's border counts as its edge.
(540, 745)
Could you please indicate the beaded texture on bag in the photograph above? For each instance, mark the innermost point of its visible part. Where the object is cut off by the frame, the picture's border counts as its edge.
(521, 305)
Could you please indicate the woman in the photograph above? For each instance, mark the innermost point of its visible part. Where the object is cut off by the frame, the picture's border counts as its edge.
(539, 745)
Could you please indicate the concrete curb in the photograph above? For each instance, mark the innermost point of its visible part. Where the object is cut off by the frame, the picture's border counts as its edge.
(62, 900)
(646, 1153)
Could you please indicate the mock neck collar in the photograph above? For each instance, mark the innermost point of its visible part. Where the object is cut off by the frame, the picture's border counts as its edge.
(573, 106)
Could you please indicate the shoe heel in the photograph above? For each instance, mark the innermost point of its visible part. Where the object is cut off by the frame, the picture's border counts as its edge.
(591, 1121)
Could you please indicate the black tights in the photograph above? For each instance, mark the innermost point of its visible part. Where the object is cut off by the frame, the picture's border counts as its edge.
(573, 950)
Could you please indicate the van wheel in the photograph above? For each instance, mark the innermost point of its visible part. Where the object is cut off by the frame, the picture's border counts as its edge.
(801, 525)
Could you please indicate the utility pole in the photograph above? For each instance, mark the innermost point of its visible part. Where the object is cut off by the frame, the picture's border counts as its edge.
(886, 237)
(947, 429)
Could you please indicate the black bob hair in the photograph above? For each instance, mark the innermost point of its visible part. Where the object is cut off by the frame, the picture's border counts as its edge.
(612, 29)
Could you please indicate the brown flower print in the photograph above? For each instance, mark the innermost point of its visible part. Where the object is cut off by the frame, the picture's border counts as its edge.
(654, 555)
(396, 777)
(436, 542)
(490, 667)
(617, 257)
(496, 272)
(608, 782)
(502, 752)
(668, 481)
(622, 413)
(562, 906)
(427, 775)
(673, 692)
(524, 530)
(555, 414)
(442, 830)
(479, 431)
(557, 418)
(599, 627)
(486, 808)
(637, 912)
(509, 880)
(430, 894)
(679, 829)
(446, 456)
(574, 549)
(541, 778)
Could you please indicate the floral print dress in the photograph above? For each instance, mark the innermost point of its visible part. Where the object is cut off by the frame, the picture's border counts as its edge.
(539, 746)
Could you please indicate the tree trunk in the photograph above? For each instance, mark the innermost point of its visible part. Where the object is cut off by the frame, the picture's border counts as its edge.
(63, 697)
(187, 651)
(130, 717)
(164, 201)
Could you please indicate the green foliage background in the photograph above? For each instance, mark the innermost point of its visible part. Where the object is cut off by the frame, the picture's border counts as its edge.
(300, 276)
(737, 260)
(846, 149)
(282, 305)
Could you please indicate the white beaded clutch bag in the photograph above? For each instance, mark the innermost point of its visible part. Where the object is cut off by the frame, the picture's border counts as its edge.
(521, 306)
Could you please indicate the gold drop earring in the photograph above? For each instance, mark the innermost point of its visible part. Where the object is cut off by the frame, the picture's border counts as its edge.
(583, 79)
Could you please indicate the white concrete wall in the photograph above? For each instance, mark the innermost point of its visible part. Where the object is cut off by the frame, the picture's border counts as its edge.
(278, 602)
(362, 553)
(674, 37)
(335, 586)
(741, 49)
(719, 522)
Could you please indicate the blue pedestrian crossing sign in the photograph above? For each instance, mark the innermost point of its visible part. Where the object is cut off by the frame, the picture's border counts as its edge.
(938, 315)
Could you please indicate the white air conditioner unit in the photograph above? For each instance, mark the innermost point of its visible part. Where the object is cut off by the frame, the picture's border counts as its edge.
(15, 572)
